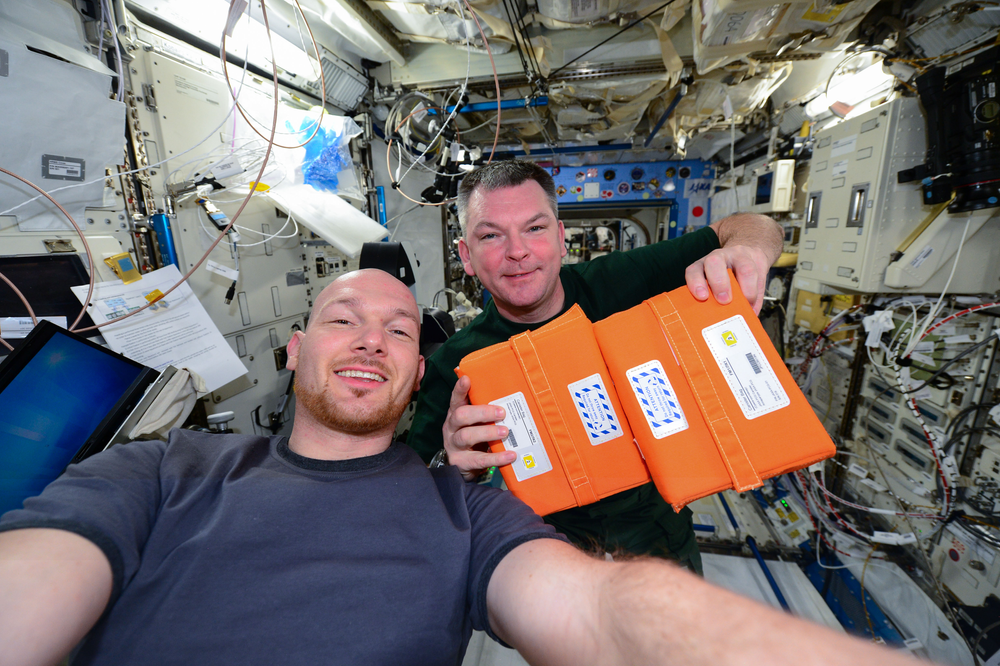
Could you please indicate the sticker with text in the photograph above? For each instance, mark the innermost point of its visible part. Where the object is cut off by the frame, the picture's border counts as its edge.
(742, 361)
(523, 438)
(657, 399)
(594, 406)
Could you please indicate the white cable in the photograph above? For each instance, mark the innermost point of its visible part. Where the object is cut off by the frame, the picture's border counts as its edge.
(457, 105)
(105, 10)
(276, 236)
(101, 28)
(914, 339)
(140, 169)
(212, 233)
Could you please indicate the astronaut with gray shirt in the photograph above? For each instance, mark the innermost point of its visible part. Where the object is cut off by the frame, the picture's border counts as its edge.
(339, 546)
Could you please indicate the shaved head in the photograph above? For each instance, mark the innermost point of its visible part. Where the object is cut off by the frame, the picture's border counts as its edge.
(347, 286)
(358, 361)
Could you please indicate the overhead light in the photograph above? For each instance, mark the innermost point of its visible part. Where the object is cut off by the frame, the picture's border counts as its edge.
(851, 89)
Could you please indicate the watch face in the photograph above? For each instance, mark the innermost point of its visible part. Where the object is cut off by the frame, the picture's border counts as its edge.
(440, 459)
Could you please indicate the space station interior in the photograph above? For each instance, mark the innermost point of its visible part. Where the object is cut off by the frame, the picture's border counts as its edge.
(197, 171)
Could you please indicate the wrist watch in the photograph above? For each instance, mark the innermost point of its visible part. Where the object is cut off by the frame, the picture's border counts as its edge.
(440, 459)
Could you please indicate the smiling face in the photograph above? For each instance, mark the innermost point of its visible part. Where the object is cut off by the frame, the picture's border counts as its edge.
(515, 244)
(358, 362)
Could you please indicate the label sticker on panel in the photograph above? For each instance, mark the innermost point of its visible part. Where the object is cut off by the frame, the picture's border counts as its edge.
(742, 361)
(596, 413)
(523, 438)
(657, 398)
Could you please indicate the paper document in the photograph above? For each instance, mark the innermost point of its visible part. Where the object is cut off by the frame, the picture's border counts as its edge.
(177, 332)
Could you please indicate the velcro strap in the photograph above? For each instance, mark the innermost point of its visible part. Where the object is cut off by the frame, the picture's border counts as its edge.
(559, 433)
(738, 464)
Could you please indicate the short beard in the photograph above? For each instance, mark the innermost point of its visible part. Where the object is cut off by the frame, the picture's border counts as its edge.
(360, 422)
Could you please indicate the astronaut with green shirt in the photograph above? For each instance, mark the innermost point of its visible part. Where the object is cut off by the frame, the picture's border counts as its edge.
(513, 241)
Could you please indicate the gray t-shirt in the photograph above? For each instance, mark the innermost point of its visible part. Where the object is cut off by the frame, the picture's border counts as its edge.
(234, 549)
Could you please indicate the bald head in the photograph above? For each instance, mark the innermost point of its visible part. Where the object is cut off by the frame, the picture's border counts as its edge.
(356, 366)
(365, 283)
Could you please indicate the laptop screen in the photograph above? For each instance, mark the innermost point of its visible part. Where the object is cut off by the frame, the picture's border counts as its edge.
(61, 399)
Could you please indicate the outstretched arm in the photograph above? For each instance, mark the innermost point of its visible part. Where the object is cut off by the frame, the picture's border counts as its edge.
(557, 605)
(750, 243)
(54, 585)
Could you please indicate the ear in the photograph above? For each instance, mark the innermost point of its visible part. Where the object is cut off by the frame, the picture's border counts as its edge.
(420, 373)
(463, 252)
(294, 345)
(562, 238)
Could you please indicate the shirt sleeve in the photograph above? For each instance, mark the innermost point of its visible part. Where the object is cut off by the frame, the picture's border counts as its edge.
(111, 499)
(432, 409)
(500, 522)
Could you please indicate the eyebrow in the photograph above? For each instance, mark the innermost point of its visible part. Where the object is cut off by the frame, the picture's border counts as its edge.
(494, 225)
(354, 302)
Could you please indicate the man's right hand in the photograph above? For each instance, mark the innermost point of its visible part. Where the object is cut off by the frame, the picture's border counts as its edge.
(469, 426)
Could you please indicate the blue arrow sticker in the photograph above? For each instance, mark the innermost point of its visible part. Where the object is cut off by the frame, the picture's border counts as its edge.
(593, 403)
(657, 399)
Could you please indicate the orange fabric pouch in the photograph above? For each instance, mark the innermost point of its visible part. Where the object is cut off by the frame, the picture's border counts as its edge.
(709, 399)
(566, 423)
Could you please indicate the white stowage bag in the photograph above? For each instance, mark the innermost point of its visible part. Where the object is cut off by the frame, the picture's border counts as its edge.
(317, 176)
(172, 406)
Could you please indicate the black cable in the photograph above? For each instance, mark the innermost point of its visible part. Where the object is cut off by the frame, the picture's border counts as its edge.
(965, 352)
(955, 422)
(531, 67)
(518, 38)
(536, 66)
(979, 637)
(603, 42)
(969, 431)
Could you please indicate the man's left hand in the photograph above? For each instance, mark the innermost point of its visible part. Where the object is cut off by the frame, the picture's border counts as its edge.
(749, 264)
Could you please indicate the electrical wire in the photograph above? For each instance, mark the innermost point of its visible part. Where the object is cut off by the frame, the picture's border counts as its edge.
(979, 637)
(79, 231)
(270, 237)
(239, 107)
(937, 306)
(106, 12)
(636, 22)
(496, 135)
(232, 221)
(864, 598)
(31, 313)
(208, 136)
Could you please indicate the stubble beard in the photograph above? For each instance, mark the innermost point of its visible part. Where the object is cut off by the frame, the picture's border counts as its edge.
(359, 421)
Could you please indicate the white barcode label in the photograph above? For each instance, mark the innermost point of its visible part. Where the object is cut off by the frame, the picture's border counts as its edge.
(749, 375)
(523, 437)
(593, 404)
(657, 399)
